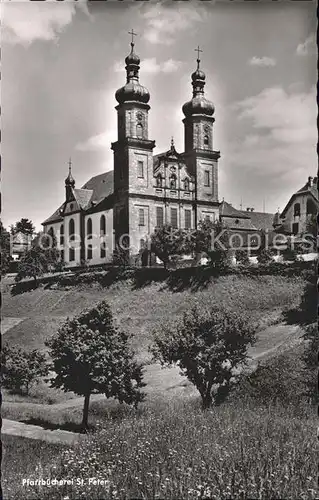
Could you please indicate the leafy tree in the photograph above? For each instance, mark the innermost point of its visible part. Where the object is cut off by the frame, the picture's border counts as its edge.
(208, 346)
(265, 256)
(167, 242)
(4, 249)
(90, 355)
(211, 238)
(42, 257)
(24, 226)
(290, 253)
(242, 257)
(20, 369)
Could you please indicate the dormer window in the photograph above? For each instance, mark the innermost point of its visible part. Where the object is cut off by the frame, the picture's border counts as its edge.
(172, 181)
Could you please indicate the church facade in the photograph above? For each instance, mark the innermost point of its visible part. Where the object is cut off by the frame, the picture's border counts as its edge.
(144, 191)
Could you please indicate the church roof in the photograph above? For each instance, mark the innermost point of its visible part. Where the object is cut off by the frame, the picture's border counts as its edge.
(227, 210)
(94, 190)
(102, 186)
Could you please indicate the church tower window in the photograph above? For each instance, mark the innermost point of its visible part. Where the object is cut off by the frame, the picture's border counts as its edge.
(207, 178)
(139, 130)
(186, 185)
(206, 141)
(140, 169)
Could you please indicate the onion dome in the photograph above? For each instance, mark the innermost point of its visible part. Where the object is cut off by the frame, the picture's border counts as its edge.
(69, 181)
(132, 90)
(198, 105)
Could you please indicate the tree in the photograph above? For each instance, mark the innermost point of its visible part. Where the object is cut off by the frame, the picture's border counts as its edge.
(24, 226)
(166, 242)
(91, 356)
(4, 249)
(208, 346)
(242, 257)
(42, 257)
(211, 238)
(290, 253)
(264, 255)
(20, 369)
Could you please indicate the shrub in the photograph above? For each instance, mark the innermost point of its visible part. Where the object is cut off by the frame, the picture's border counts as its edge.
(20, 369)
(242, 257)
(90, 355)
(208, 346)
(265, 256)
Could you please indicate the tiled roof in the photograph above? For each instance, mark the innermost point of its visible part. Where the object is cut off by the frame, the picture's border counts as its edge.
(228, 210)
(262, 220)
(55, 217)
(102, 186)
(95, 190)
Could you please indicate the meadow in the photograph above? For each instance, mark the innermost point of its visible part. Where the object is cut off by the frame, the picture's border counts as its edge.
(168, 448)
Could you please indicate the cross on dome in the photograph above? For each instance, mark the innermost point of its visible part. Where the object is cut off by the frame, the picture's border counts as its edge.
(198, 50)
(133, 35)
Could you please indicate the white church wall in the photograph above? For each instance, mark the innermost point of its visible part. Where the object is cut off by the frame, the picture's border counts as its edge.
(98, 238)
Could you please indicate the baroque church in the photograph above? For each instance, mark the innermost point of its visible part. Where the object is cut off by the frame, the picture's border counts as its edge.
(144, 191)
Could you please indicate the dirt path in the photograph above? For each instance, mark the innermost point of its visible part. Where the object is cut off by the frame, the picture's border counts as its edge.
(15, 428)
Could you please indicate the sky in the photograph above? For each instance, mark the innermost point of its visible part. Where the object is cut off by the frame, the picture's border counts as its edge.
(63, 62)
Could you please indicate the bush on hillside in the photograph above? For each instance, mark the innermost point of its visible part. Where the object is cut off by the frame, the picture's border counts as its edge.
(278, 380)
(21, 369)
(208, 346)
(90, 355)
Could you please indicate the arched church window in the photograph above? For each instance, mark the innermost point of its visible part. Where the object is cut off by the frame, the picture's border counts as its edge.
(296, 209)
(71, 238)
(206, 141)
(102, 225)
(159, 180)
(89, 237)
(172, 181)
(186, 184)
(62, 234)
(139, 130)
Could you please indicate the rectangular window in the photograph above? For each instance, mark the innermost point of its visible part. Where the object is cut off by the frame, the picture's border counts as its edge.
(159, 216)
(140, 169)
(295, 228)
(174, 217)
(207, 218)
(188, 219)
(206, 178)
(141, 217)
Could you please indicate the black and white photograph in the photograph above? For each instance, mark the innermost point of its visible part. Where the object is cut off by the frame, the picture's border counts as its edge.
(159, 242)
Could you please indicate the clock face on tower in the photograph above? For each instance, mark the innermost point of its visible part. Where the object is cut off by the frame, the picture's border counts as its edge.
(139, 116)
(206, 128)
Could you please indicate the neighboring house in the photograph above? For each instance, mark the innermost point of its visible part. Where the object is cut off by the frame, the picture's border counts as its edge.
(245, 227)
(20, 243)
(302, 205)
(144, 191)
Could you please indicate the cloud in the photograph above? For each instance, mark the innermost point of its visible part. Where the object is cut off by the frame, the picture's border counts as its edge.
(163, 23)
(97, 142)
(24, 23)
(308, 47)
(281, 143)
(152, 66)
(262, 61)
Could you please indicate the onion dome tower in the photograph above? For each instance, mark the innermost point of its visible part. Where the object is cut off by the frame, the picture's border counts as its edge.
(198, 113)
